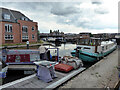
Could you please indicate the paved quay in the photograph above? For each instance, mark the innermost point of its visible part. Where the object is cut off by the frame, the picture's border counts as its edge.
(31, 45)
(101, 75)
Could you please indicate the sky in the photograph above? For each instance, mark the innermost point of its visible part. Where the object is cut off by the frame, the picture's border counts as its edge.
(95, 16)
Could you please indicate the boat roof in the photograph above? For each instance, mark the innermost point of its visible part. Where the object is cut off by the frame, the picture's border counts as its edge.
(96, 38)
(106, 42)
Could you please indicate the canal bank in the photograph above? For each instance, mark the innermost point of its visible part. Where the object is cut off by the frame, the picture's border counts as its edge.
(101, 75)
(32, 46)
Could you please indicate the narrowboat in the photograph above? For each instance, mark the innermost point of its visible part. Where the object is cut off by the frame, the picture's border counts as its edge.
(93, 49)
(27, 56)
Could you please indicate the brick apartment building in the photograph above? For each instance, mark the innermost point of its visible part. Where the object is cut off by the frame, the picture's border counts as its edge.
(16, 27)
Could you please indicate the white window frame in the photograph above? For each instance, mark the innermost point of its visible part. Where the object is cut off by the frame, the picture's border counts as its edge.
(9, 26)
(33, 36)
(25, 37)
(11, 37)
(24, 28)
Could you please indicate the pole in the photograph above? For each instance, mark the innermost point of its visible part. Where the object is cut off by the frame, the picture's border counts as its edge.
(58, 53)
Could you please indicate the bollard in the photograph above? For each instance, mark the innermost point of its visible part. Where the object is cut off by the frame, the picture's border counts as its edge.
(27, 44)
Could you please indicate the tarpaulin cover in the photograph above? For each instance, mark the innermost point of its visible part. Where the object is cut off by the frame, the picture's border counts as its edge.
(63, 67)
(45, 74)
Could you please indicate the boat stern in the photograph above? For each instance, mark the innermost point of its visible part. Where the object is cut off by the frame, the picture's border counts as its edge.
(73, 53)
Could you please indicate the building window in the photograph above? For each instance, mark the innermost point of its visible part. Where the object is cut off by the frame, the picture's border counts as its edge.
(24, 18)
(33, 36)
(8, 28)
(25, 37)
(32, 28)
(8, 37)
(25, 29)
(6, 16)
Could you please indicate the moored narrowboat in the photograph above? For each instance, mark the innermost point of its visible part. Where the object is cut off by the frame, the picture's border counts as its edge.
(93, 49)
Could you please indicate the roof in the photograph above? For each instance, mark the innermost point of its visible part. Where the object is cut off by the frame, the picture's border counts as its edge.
(14, 15)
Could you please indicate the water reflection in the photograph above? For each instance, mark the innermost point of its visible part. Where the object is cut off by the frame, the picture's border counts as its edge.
(64, 49)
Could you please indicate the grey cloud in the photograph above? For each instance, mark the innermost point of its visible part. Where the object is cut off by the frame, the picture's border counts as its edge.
(98, 2)
(62, 10)
(101, 11)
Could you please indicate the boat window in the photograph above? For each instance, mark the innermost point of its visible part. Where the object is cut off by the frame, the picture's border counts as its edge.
(79, 47)
(93, 42)
(86, 48)
(84, 41)
(106, 47)
(103, 48)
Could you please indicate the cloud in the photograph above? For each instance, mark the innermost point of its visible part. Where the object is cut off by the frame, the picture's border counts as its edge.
(64, 10)
(97, 2)
(101, 10)
(87, 15)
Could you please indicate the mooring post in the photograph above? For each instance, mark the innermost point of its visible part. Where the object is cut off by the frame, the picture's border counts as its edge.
(27, 44)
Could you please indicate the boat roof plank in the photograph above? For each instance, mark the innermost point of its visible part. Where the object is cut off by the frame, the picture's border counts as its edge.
(33, 81)
(37, 83)
(21, 84)
(11, 87)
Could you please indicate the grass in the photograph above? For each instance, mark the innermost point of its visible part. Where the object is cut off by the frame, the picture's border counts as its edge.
(99, 75)
(96, 73)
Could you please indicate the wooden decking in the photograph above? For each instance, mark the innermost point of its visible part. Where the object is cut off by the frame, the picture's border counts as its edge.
(33, 82)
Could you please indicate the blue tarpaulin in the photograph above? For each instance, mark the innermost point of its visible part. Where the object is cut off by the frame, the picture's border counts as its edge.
(2, 74)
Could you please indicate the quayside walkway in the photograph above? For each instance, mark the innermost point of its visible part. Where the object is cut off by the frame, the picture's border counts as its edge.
(101, 75)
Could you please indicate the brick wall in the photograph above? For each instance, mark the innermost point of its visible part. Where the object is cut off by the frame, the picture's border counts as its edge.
(30, 32)
(17, 31)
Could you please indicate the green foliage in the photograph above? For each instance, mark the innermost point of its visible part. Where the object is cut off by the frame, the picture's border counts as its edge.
(91, 35)
(38, 35)
(50, 31)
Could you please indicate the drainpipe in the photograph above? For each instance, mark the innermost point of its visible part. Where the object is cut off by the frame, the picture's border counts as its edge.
(20, 31)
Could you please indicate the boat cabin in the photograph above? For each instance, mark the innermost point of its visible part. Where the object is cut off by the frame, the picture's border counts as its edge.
(89, 41)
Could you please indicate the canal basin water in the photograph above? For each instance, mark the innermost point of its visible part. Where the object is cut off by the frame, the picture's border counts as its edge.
(64, 49)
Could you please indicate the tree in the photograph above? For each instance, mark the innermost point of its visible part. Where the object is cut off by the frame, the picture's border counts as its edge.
(50, 31)
(38, 35)
(90, 35)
